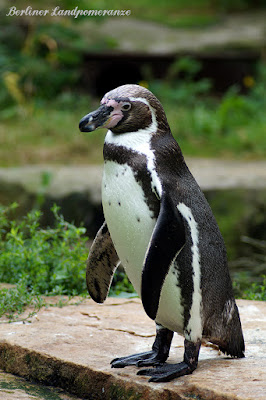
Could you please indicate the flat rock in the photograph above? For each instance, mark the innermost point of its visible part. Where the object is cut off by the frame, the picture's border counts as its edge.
(210, 174)
(243, 30)
(16, 388)
(71, 347)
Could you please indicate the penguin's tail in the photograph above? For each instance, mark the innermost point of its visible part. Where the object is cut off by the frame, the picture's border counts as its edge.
(235, 347)
(231, 340)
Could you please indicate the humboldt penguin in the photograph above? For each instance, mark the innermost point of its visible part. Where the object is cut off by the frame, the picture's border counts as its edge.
(159, 225)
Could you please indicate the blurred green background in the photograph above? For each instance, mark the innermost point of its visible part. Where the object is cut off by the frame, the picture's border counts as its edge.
(47, 84)
(43, 95)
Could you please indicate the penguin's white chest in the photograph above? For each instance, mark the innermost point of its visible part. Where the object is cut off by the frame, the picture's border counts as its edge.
(131, 223)
(129, 219)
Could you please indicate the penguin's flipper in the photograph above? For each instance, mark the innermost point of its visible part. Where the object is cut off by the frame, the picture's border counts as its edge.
(168, 239)
(101, 265)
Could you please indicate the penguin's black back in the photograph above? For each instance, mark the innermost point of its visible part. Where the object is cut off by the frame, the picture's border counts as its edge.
(221, 322)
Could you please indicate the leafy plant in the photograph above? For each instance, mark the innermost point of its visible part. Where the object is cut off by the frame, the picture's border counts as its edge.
(232, 125)
(121, 286)
(37, 62)
(52, 262)
(237, 5)
(256, 291)
(41, 261)
(256, 259)
(49, 261)
(180, 85)
(13, 301)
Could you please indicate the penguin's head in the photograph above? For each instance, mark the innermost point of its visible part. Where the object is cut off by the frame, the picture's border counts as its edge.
(127, 108)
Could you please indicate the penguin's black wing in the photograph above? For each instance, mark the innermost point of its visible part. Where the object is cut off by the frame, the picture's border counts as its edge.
(168, 238)
(101, 265)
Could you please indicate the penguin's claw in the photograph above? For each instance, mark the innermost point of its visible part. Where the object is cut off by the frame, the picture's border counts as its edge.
(149, 358)
(167, 372)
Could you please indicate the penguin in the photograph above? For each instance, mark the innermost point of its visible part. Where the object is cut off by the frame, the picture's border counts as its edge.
(159, 225)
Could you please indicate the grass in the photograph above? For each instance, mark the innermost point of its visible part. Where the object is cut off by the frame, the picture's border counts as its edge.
(43, 262)
(13, 302)
(178, 13)
(233, 126)
(39, 262)
(49, 135)
(52, 137)
(174, 13)
(41, 103)
(49, 262)
(41, 99)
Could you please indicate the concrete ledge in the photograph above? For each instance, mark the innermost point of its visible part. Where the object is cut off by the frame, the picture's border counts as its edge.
(71, 347)
(243, 30)
(210, 173)
(77, 189)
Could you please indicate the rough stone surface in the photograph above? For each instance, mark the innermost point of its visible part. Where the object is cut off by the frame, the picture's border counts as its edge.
(245, 30)
(77, 189)
(71, 347)
(63, 180)
(210, 174)
(15, 388)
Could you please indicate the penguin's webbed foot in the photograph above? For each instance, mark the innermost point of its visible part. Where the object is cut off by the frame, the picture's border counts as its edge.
(149, 358)
(167, 372)
(155, 357)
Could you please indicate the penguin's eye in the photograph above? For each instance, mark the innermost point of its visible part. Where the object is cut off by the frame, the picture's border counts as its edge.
(126, 107)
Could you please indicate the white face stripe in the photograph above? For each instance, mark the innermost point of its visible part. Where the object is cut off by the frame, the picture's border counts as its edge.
(194, 327)
(131, 98)
(153, 115)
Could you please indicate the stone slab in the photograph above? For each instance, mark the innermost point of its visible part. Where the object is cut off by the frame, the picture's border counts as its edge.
(71, 347)
(244, 30)
(239, 30)
(210, 173)
(16, 388)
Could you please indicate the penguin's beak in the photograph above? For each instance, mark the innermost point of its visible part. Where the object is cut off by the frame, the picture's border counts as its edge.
(96, 119)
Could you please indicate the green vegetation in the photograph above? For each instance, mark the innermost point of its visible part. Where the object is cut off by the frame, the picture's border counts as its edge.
(40, 261)
(181, 13)
(52, 262)
(48, 261)
(42, 98)
(255, 291)
(41, 102)
(174, 13)
(13, 301)
(232, 126)
(121, 286)
(255, 260)
(32, 390)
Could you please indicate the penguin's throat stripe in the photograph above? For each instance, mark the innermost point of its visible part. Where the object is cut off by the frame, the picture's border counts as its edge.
(138, 142)
(138, 163)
